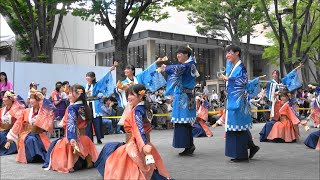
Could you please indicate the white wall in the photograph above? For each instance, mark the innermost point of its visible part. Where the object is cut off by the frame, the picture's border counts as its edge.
(47, 74)
(75, 44)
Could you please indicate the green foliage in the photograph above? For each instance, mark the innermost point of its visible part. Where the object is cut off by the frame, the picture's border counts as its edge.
(152, 13)
(305, 48)
(33, 22)
(212, 16)
(93, 10)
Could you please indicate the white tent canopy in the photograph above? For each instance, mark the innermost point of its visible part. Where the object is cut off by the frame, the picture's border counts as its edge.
(7, 37)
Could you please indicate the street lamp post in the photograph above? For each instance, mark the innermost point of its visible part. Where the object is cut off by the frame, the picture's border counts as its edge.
(281, 45)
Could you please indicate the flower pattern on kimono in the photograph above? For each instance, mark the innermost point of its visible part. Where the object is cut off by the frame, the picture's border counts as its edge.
(82, 113)
(240, 89)
(71, 123)
(240, 93)
(6, 118)
(176, 77)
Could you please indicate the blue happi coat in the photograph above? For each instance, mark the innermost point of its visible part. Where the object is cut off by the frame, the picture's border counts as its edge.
(272, 87)
(238, 115)
(150, 78)
(292, 81)
(180, 77)
(103, 87)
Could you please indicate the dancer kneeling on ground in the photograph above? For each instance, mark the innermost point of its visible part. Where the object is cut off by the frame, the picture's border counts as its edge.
(286, 129)
(33, 143)
(200, 128)
(10, 112)
(76, 150)
(131, 160)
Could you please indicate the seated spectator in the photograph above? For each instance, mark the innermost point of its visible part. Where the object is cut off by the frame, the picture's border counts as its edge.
(65, 87)
(44, 92)
(108, 109)
(54, 92)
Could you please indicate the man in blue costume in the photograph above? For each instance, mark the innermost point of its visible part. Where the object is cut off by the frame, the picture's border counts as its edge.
(238, 117)
(181, 82)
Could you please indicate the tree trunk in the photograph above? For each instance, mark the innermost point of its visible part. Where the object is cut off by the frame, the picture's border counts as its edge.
(288, 66)
(318, 76)
(246, 49)
(50, 55)
(120, 55)
(305, 74)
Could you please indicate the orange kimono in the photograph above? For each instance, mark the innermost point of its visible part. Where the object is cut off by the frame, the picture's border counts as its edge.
(128, 160)
(8, 117)
(202, 115)
(25, 126)
(275, 115)
(287, 127)
(61, 156)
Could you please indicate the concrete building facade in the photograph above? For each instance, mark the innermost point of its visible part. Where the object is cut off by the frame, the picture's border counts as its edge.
(75, 44)
(146, 46)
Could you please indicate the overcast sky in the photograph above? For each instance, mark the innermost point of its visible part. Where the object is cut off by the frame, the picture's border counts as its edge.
(176, 23)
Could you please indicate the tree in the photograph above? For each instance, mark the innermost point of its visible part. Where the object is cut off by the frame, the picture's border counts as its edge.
(300, 32)
(35, 23)
(238, 17)
(126, 15)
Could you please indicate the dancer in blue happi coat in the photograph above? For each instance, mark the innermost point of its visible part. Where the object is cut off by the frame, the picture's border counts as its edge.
(238, 117)
(181, 83)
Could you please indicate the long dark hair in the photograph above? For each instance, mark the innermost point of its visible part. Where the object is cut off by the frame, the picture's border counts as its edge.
(78, 89)
(6, 79)
(92, 75)
(135, 89)
(278, 74)
(132, 68)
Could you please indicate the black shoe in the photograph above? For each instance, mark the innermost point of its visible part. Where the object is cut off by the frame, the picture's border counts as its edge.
(184, 153)
(192, 149)
(253, 151)
(99, 141)
(240, 160)
(188, 151)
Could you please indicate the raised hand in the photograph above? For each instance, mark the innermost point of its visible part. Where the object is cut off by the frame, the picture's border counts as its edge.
(263, 76)
(112, 68)
(298, 67)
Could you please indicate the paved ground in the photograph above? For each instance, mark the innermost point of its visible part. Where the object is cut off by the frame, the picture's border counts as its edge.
(273, 161)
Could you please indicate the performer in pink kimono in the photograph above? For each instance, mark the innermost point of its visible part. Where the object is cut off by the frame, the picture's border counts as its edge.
(286, 129)
(11, 111)
(76, 150)
(28, 133)
(200, 128)
(131, 160)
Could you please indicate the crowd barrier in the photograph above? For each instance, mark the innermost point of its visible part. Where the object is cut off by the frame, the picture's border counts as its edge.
(209, 113)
